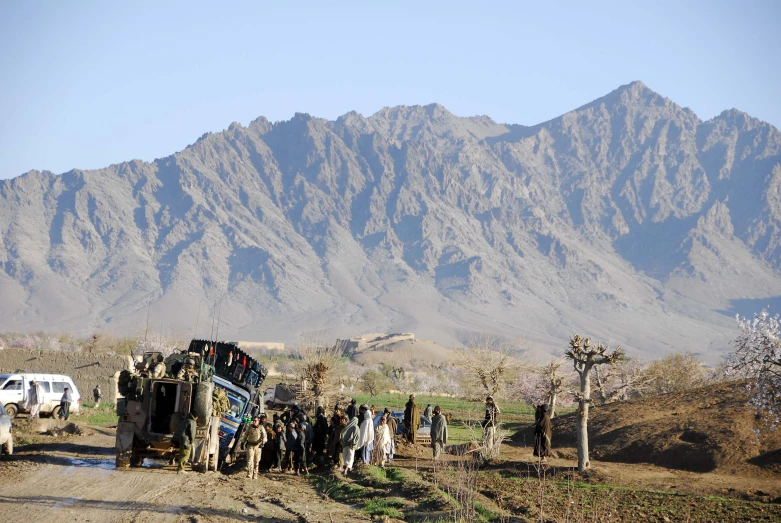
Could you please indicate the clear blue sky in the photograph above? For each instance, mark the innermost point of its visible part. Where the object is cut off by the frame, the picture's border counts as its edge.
(87, 84)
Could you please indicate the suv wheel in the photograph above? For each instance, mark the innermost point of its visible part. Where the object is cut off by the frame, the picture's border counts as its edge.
(12, 410)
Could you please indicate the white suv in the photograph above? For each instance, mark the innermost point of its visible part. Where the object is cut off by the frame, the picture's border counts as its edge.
(6, 439)
(14, 389)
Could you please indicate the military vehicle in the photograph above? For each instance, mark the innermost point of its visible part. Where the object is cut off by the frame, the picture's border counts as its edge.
(151, 407)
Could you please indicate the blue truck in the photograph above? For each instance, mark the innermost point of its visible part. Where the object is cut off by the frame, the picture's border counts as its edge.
(240, 376)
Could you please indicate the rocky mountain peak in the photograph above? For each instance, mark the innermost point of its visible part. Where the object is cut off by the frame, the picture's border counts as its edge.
(615, 218)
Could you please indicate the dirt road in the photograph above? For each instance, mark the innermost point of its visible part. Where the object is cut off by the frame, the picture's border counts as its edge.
(75, 480)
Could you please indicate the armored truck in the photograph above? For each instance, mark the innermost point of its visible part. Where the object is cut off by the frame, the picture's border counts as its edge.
(152, 406)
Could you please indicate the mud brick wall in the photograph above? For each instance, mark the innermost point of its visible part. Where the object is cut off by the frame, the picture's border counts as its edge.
(87, 370)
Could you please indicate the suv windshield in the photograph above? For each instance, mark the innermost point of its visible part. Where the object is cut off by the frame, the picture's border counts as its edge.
(237, 404)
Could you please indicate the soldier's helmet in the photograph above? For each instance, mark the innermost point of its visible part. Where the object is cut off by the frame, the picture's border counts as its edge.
(160, 358)
(189, 361)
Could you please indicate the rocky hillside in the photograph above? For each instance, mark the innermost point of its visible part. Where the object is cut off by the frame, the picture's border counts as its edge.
(629, 219)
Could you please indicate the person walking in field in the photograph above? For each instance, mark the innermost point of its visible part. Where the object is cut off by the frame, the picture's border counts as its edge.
(438, 432)
(97, 394)
(65, 404)
(411, 419)
(34, 399)
(184, 437)
(543, 430)
(255, 438)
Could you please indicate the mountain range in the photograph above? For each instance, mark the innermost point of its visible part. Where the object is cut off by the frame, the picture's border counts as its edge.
(629, 219)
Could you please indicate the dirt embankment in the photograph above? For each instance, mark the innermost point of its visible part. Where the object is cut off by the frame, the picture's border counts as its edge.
(699, 431)
(87, 370)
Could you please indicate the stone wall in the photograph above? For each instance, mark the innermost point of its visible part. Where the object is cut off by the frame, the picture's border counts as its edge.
(87, 370)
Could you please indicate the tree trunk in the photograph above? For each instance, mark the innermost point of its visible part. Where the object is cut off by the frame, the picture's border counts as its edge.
(582, 425)
(552, 405)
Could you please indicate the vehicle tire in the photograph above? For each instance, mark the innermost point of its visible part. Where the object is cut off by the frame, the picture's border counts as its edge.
(122, 463)
(269, 405)
(12, 410)
(135, 459)
(56, 412)
(9, 445)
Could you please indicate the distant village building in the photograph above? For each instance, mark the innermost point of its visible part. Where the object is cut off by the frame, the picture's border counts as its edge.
(260, 345)
(373, 341)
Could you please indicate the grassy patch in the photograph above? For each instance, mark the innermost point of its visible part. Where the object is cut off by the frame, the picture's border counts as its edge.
(385, 507)
(100, 416)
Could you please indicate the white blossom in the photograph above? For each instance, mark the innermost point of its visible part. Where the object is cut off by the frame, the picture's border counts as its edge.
(757, 357)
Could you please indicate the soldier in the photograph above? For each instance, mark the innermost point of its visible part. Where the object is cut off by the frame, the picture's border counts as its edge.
(187, 372)
(438, 432)
(184, 437)
(255, 438)
(97, 394)
(158, 369)
(220, 402)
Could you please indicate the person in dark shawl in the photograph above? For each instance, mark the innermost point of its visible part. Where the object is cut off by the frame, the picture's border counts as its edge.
(542, 434)
(411, 419)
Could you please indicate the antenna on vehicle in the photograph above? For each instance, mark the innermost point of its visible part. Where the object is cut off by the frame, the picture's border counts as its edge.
(149, 308)
(197, 317)
(219, 313)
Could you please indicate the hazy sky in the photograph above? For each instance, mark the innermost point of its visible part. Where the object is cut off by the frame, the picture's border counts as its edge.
(84, 85)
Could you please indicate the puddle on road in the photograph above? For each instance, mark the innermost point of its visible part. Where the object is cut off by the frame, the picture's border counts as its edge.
(105, 464)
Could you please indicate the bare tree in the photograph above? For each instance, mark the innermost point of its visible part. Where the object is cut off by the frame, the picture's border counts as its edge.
(675, 373)
(620, 382)
(488, 360)
(584, 357)
(552, 385)
(373, 382)
(317, 367)
(757, 357)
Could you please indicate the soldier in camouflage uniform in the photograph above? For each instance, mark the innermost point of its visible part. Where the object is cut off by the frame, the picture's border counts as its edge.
(184, 437)
(220, 402)
(158, 369)
(188, 371)
(254, 437)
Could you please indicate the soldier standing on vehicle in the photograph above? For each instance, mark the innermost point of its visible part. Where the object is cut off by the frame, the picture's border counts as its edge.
(255, 437)
(184, 437)
(158, 369)
(188, 372)
(65, 404)
(97, 394)
(438, 432)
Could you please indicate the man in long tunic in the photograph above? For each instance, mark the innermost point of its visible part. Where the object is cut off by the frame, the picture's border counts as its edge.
(411, 419)
(438, 432)
(34, 399)
(543, 431)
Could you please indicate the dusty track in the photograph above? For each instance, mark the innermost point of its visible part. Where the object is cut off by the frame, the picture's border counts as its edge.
(77, 481)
